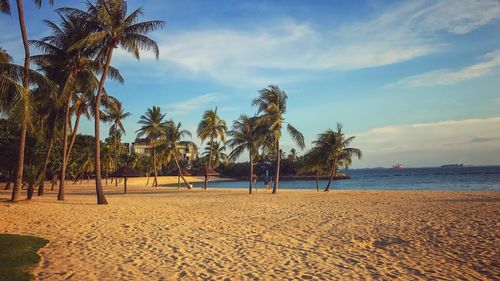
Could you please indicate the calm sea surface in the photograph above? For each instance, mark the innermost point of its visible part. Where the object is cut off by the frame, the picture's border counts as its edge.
(466, 178)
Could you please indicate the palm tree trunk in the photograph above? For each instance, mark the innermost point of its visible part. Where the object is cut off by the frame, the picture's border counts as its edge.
(155, 180)
(73, 137)
(116, 161)
(7, 186)
(41, 187)
(53, 182)
(16, 191)
(207, 167)
(251, 173)
(278, 162)
(332, 174)
(125, 185)
(31, 188)
(101, 199)
(180, 172)
(147, 182)
(60, 195)
(317, 181)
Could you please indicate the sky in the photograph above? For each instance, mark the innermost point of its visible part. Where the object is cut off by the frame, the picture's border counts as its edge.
(416, 82)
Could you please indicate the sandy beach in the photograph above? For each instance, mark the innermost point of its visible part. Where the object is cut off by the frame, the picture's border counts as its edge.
(225, 234)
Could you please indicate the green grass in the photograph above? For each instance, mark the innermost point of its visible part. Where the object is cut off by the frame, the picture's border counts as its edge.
(18, 255)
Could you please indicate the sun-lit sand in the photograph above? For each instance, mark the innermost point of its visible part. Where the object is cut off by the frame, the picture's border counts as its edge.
(225, 234)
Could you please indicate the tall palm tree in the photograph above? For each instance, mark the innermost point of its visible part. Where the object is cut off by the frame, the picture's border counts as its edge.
(247, 133)
(25, 93)
(52, 116)
(271, 104)
(172, 142)
(115, 114)
(112, 28)
(211, 127)
(19, 104)
(153, 127)
(335, 147)
(73, 69)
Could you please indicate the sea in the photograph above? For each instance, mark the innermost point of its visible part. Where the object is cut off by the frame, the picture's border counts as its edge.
(452, 178)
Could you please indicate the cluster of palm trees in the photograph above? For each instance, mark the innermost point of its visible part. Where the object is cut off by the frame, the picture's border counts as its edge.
(73, 64)
(72, 68)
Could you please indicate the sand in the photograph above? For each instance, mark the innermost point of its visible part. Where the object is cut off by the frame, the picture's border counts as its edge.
(225, 234)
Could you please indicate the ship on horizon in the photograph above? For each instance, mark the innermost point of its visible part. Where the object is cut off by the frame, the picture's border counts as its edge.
(399, 166)
(452, 166)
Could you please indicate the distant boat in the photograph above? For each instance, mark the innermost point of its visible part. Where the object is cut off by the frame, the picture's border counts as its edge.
(399, 166)
(453, 166)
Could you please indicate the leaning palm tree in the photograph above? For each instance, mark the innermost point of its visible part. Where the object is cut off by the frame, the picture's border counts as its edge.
(247, 134)
(73, 69)
(52, 116)
(172, 142)
(24, 94)
(211, 127)
(271, 104)
(115, 114)
(336, 148)
(112, 28)
(153, 127)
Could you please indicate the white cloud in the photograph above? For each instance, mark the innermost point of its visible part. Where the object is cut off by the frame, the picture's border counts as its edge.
(182, 108)
(448, 77)
(471, 141)
(274, 53)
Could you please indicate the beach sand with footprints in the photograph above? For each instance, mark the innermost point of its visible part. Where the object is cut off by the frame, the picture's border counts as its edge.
(226, 234)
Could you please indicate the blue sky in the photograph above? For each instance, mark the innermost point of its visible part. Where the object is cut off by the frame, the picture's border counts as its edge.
(416, 81)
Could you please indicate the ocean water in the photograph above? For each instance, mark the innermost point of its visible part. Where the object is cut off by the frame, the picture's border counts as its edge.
(465, 178)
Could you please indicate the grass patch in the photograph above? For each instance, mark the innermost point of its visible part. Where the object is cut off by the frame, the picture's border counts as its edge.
(18, 255)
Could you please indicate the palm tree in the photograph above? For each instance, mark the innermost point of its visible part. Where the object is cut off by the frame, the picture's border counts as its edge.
(72, 69)
(24, 94)
(112, 28)
(334, 146)
(314, 163)
(247, 134)
(52, 116)
(153, 127)
(172, 142)
(211, 127)
(115, 114)
(19, 104)
(143, 164)
(217, 150)
(271, 105)
(81, 104)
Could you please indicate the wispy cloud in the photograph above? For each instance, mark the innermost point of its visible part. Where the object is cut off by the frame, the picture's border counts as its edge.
(472, 141)
(276, 53)
(185, 107)
(449, 77)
